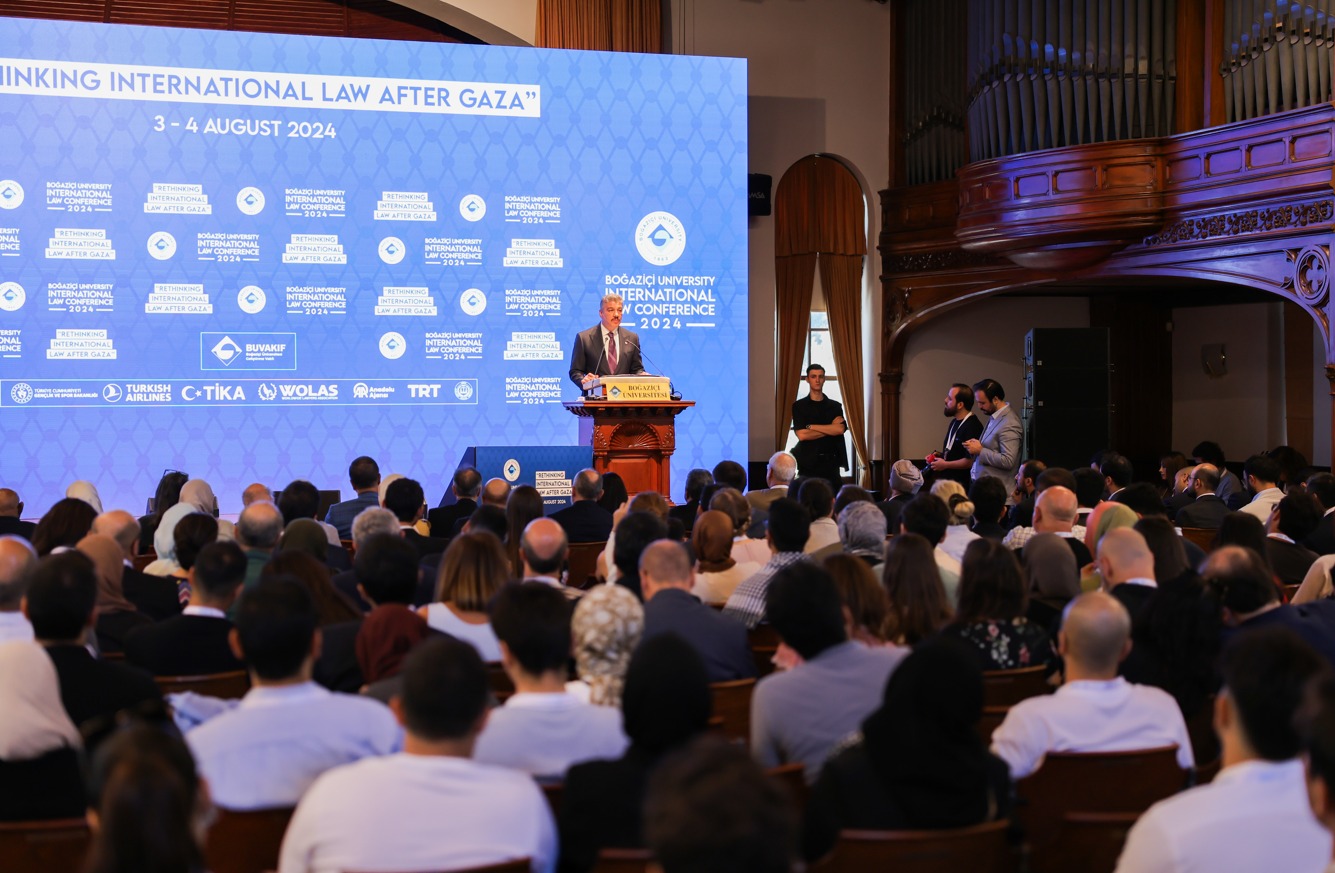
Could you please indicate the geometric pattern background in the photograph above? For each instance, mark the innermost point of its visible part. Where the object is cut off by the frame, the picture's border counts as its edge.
(619, 136)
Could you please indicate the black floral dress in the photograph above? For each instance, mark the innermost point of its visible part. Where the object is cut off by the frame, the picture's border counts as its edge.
(1005, 644)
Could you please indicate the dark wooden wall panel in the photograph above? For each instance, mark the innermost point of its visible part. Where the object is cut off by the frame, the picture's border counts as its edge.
(1141, 354)
(212, 14)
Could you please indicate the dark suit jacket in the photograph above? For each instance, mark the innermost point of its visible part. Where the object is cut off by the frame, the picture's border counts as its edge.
(336, 558)
(187, 645)
(1290, 561)
(1314, 622)
(588, 355)
(443, 518)
(1322, 540)
(114, 627)
(1133, 597)
(425, 545)
(89, 687)
(891, 508)
(1206, 511)
(49, 786)
(9, 525)
(346, 582)
(721, 642)
(340, 515)
(154, 596)
(584, 521)
(337, 668)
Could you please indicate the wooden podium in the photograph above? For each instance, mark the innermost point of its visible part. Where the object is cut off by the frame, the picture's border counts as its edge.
(633, 438)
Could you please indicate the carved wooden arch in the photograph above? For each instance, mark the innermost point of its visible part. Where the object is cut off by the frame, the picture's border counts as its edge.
(1251, 205)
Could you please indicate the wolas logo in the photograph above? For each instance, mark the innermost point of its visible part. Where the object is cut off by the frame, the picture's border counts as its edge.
(308, 392)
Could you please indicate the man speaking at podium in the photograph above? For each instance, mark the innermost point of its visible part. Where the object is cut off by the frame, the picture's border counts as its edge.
(605, 349)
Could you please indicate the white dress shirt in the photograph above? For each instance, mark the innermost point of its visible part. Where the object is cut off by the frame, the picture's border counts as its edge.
(14, 628)
(949, 568)
(418, 812)
(543, 734)
(958, 537)
(823, 532)
(269, 749)
(1254, 817)
(479, 636)
(749, 551)
(1090, 716)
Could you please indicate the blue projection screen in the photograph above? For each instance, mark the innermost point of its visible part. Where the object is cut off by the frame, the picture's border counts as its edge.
(254, 257)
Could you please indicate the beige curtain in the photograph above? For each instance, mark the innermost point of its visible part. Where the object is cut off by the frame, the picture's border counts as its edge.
(794, 277)
(841, 278)
(601, 25)
(819, 210)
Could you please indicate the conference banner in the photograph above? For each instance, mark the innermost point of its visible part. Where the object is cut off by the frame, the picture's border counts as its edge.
(253, 257)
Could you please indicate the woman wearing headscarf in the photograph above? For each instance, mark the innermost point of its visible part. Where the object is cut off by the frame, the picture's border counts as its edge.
(87, 492)
(164, 540)
(920, 764)
(1054, 578)
(665, 704)
(40, 775)
(605, 630)
(116, 615)
(717, 572)
(305, 535)
(199, 494)
(1106, 516)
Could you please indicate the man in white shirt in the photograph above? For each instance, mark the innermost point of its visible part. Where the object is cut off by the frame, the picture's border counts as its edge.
(541, 729)
(430, 807)
(16, 562)
(1096, 710)
(1255, 814)
(287, 730)
(1262, 477)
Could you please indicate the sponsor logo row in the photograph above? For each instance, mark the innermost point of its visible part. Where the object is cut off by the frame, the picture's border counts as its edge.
(239, 392)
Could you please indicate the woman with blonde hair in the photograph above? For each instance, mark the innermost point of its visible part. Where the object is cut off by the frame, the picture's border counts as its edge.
(958, 535)
(473, 569)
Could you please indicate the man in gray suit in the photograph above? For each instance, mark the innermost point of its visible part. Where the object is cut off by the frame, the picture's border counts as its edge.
(997, 452)
(779, 474)
(605, 349)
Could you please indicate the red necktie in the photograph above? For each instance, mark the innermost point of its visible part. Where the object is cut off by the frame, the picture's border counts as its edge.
(612, 352)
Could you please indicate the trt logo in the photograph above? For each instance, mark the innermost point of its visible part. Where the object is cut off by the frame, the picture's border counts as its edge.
(423, 391)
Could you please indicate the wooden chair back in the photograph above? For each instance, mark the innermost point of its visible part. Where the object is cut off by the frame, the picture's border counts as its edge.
(764, 641)
(1091, 842)
(978, 849)
(55, 846)
(229, 686)
(1091, 782)
(581, 563)
(499, 680)
(992, 718)
(622, 861)
(246, 842)
(1201, 536)
(143, 560)
(793, 777)
(1204, 742)
(1009, 687)
(518, 865)
(732, 701)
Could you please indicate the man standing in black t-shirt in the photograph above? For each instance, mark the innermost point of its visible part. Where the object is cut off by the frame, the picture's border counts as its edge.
(819, 423)
(954, 460)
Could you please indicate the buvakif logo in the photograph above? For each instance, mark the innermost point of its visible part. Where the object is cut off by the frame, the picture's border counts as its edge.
(21, 393)
(226, 351)
(660, 238)
(11, 194)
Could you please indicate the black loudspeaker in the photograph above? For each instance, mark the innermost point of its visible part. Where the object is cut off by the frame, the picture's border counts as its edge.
(757, 194)
(1067, 397)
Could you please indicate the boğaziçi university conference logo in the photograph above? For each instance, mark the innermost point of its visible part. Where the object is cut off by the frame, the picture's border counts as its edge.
(250, 201)
(11, 194)
(21, 392)
(226, 351)
(660, 238)
(511, 470)
(393, 345)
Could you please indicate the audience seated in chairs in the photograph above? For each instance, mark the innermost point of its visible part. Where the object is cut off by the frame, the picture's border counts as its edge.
(710, 809)
(17, 560)
(606, 627)
(387, 567)
(919, 763)
(368, 523)
(1246, 592)
(148, 806)
(154, 596)
(1255, 814)
(800, 715)
(542, 729)
(287, 730)
(635, 531)
(40, 773)
(1054, 578)
(918, 606)
(522, 508)
(196, 643)
(543, 552)
(717, 570)
(61, 604)
(65, 523)
(665, 704)
(431, 807)
(472, 572)
(1095, 710)
(670, 606)
(786, 534)
(993, 600)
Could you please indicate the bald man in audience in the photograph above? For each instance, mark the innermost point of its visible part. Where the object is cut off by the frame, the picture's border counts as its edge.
(255, 491)
(1255, 814)
(1055, 511)
(10, 510)
(16, 562)
(666, 579)
(543, 550)
(1095, 710)
(257, 532)
(1127, 566)
(154, 596)
(584, 520)
(1207, 509)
